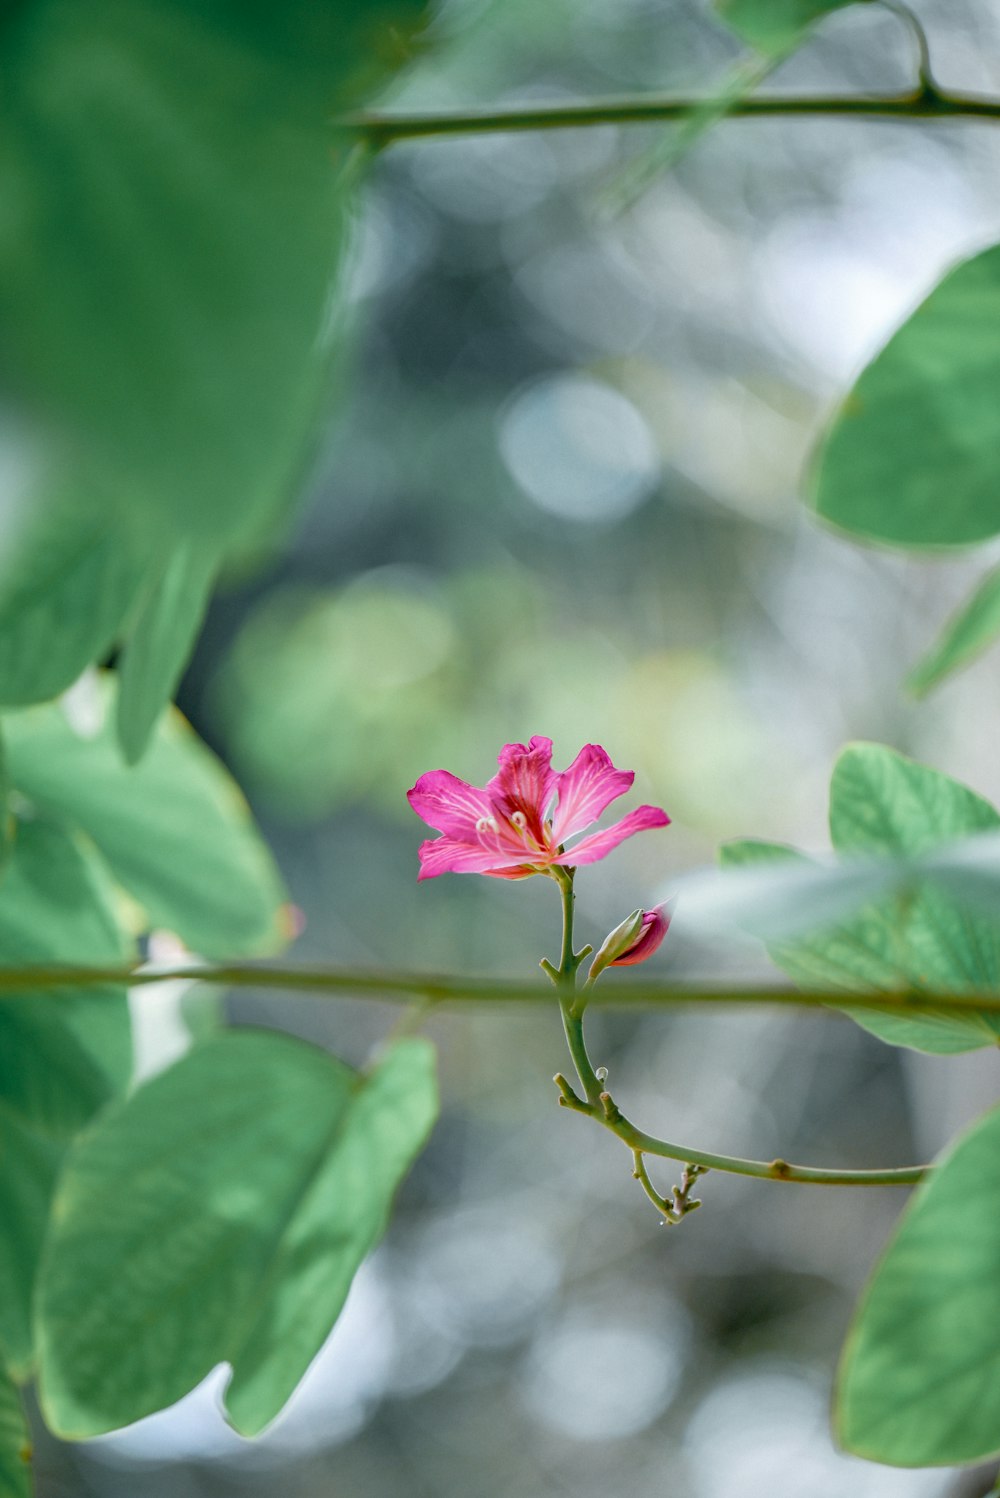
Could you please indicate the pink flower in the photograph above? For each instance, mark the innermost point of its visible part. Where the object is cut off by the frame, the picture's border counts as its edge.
(651, 933)
(519, 823)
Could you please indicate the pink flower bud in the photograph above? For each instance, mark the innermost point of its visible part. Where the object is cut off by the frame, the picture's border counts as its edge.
(652, 930)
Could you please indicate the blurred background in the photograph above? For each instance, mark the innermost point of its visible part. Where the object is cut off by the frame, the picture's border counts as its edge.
(560, 495)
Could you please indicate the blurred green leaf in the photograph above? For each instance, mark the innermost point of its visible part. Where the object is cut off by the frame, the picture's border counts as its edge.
(15, 1443)
(29, 1163)
(919, 1382)
(67, 583)
(6, 815)
(885, 806)
(175, 221)
(62, 1054)
(160, 642)
(176, 210)
(965, 636)
(57, 906)
(220, 1215)
(913, 456)
(174, 829)
(389, 680)
(776, 26)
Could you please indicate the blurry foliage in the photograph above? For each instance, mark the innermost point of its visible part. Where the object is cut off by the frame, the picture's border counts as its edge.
(936, 1287)
(135, 1308)
(175, 220)
(416, 672)
(561, 499)
(776, 26)
(884, 805)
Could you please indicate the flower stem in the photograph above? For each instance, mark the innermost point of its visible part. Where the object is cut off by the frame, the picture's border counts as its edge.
(608, 1113)
(600, 1105)
(565, 978)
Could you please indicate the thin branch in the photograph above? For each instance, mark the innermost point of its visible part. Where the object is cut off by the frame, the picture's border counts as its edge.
(436, 988)
(381, 130)
(640, 1143)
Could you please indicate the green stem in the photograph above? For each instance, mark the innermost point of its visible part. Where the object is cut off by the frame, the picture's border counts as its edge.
(445, 988)
(572, 1018)
(382, 130)
(608, 1114)
(600, 1105)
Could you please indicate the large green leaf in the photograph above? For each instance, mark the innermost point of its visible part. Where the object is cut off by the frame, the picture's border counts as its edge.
(776, 26)
(6, 815)
(177, 204)
(913, 456)
(160, 642)
(28, 1166)
(15, 1443)
(919, 1382)
(174, 829)
(175, 221)
(965, 636)
(885, 806)
(67, 584)
(62, 1054)
(220, 1215)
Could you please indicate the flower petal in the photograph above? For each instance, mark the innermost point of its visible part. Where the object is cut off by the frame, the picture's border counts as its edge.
(449, 855)
(589, 785)
(448, 804)
(654, 928)
(599, 844)
(525, 782)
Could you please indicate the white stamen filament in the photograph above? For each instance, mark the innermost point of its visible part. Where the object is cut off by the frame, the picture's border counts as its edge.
(519, 820)
(486, 824)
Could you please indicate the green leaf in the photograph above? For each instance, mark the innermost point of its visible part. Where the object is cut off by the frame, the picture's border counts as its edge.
(67, 585)
(15, 1443)
(220, 1215)
(913, 456)
(965, 636)
(29, 1163)
(6, 815)
(175, 223)
(919, 1382)
(776, 26)
(174, 829)
(159, 644)
(62, 1054)
(883, 805)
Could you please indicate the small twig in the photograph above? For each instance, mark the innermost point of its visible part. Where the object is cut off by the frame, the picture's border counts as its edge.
(606, 1111)
(680, 1202)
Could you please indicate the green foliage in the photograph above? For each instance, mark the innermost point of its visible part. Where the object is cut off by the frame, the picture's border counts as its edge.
(174, 829)
(67, 585)
(920, 1378)
(887, 806)
(160, 643)
(6, 816)
(62, 1054)
(30, 1163)
(58, 906)
(965, 636)
(776, 26)
(177, 215)
(219, 1215)
(913, 456)
(15, 1445)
